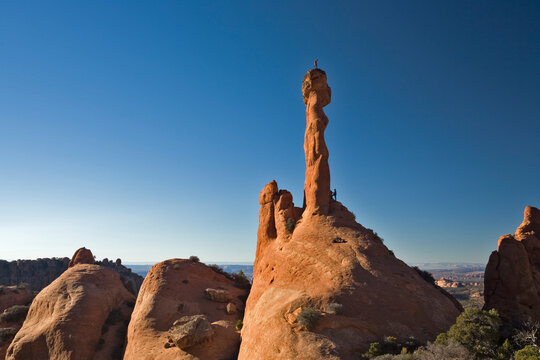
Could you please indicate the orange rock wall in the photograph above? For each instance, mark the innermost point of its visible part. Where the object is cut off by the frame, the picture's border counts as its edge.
(512, 276)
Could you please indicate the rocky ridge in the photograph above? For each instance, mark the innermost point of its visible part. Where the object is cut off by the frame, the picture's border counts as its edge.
(37, 274)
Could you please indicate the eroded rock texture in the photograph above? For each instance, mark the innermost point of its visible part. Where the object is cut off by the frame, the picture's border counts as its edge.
(82, 256)
(81, 315)
(512, 277)
(321, 260)
(316, 93)
(178, 301)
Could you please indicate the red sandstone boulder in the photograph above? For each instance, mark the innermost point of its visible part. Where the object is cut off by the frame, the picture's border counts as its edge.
(512, 276)
(81, 315)
(82, 256)
(181, 313)
(189, 331)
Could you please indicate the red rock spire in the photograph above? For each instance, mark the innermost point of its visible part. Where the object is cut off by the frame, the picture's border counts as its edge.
(316, 93)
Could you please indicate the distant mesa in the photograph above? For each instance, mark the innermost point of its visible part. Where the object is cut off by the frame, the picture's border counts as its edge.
(37, 274)
(325, 287)
(512, 276)
(443, 282)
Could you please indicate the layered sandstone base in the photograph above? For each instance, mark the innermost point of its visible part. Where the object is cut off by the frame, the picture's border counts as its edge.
(344, 272)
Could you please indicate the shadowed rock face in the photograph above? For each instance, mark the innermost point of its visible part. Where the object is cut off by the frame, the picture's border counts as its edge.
(178, 301)
(81, 315)
(12, 297)
(319, 258)
(512, 276)
(36, 273)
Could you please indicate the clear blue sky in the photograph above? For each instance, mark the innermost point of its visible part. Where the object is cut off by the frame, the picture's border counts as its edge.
(146, 129)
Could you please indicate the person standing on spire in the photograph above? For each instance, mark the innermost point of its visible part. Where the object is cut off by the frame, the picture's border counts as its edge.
(316, 60)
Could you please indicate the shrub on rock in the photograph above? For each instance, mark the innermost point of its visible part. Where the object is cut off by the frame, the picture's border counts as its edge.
(529, 352)
(14, 313)
(308, 318)
(478, 331)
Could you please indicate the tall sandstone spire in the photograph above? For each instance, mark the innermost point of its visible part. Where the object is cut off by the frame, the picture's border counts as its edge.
(318, 260)
(316, 93)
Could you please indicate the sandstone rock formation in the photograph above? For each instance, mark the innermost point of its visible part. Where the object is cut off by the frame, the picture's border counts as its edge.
(81, 315)
(82, 256)
(168, 321)
(316, 94)
(189, 331)
(443, 282)
(512, 277)
(131, 280)
(324, 287)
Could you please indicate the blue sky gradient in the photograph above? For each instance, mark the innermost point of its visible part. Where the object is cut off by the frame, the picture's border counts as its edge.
(145, 130)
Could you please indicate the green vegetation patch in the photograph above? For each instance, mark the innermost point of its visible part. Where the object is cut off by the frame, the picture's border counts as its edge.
(480, 332)
(6, 334)
(16, 313)
(308, 318)
(529, 352)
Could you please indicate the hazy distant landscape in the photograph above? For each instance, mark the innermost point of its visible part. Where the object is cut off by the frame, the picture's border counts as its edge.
(469, 277)
(454, 271)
